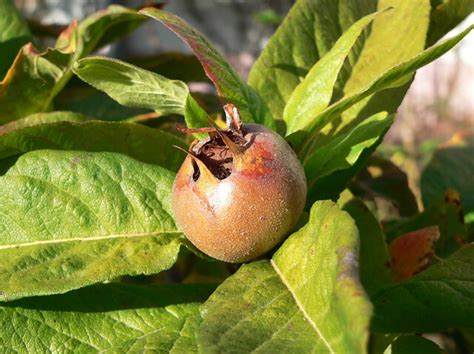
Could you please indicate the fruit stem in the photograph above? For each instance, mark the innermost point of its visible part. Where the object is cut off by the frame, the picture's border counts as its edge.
(232, 116)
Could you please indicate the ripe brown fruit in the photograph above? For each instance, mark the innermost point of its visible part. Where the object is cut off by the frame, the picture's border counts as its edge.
(239, 192)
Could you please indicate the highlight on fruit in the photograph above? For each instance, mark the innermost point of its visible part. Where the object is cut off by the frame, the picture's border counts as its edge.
(239, 191)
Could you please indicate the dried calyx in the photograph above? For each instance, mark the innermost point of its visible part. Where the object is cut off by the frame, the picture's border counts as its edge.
(222, 150)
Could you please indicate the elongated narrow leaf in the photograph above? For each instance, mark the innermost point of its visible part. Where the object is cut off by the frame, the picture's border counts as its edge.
(306, 35)
(229, 85)
(107, 318)
(343, 152)
(14, 33)
(70, 131)
(132, 86)
(69, 219)
(307, 299)
(436, 299)
(374, 257)
(388, 79)
(314, 93)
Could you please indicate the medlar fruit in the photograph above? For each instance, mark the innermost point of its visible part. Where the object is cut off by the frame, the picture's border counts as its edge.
(238, 192)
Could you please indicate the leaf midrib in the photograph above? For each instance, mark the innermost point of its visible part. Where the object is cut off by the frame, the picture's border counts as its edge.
(85, 239)
(300, 306)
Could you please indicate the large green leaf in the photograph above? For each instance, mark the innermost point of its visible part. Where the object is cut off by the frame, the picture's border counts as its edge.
(136, 87)
(132, 86)
(229, 85)
(451, 167)
(306, 299)
(35, 78)
(436, 299)
(307, 33)
(314, 93)
(390, 78)
(69, 219)
(14, 33)
(374, 257)
(400, 32)
(106, 318)
(70, 131)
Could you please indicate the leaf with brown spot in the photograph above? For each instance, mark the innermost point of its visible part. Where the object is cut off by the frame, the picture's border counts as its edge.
(411, 253)
(446, 212)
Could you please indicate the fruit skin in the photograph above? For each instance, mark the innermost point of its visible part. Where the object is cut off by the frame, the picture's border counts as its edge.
(245, 215)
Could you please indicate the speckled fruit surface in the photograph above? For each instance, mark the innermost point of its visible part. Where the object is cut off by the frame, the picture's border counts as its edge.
(245, 214)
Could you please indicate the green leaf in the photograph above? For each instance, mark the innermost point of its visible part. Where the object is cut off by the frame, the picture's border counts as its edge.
(436, 299)
(343, 152)
(103, 27)
(32, 82)
(307, 299)
(70, 131)
(229, 85)
(40, 118)
(307, 33)
(453, 168)
(445, 15)
(413, 344)
(374, 257)
(132, 86)
(314, 93)
(35, 79)
(106, 318)
(390, 78)
(400, 32)
(70, 219)
(14, 33)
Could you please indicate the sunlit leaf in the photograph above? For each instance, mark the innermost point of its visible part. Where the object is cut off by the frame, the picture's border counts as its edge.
(306, 299)
(70, 219)
(106, 318)
(229, 85)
